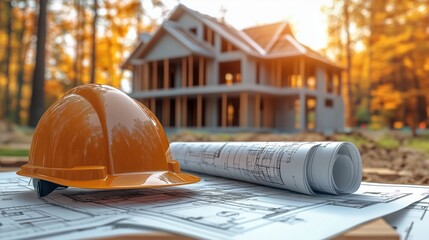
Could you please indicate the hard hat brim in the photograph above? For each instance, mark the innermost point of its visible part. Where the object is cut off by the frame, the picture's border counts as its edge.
(124, 181)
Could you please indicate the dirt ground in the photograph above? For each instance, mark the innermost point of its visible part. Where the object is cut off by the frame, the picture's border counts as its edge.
(387, 156)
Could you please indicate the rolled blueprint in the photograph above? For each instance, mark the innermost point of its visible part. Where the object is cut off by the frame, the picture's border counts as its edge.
(305, 167)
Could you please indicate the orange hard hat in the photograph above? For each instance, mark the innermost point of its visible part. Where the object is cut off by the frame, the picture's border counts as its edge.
(97, 137)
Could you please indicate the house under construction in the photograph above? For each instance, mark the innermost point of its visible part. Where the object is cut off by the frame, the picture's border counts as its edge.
(198, 72)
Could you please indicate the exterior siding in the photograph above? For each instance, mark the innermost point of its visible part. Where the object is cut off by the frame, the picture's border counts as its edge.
(167, 47)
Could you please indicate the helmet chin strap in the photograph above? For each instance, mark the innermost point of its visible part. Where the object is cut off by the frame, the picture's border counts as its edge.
(43, 188)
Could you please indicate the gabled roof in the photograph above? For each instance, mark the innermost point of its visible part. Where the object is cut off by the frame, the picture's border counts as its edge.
(225, 30)
(266, 35)
(133, 55)
(187, 39)
(184, 37)
(267, 41)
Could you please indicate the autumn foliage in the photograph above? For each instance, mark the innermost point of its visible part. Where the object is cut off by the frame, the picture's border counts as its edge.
(383, 44)
(71, 54)
(389, 59)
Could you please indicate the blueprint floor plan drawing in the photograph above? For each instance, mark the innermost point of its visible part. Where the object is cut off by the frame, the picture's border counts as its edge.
(412, 222)
(214, 208)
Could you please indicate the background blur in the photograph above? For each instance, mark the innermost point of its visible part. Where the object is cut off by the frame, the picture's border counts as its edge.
(48, 47)
(382, 43)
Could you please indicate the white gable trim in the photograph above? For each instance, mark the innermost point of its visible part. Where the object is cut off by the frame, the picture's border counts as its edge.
(296, 44)
(275, 37)
(221, 32)
(253, 43)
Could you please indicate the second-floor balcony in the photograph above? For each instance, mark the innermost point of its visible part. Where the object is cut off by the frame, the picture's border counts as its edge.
(199, 75)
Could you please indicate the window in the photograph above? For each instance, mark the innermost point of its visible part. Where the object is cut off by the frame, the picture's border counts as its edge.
(329, 103)
(208, 35)
(228, 79)
(310, 75)
(337, 84)
(230, 115)
(193, 30)
(311, 82)
(226, 46)
(329, 82)
(229, 72)
(257, 73)
(311, 113)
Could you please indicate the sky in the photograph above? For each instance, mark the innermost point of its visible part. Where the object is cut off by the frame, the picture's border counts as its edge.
(306, 17)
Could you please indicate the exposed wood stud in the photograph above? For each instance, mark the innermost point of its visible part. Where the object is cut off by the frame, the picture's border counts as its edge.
(243, 109)
(224, 109)
(153, 105)
(184, 69)
(178, 112)
(184, 112)
(166, 75)
(166, 112)
(257, 110)
(146, 76)
(201, 71)
(199, 111)
(190, 71)
(302, 72)
(155, 75)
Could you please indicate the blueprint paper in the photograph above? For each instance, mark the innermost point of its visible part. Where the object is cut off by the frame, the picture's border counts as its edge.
(412, 223)
(305, 167)
(214, 208)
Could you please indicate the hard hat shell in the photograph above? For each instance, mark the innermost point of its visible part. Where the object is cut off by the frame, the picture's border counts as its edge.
(97, 137)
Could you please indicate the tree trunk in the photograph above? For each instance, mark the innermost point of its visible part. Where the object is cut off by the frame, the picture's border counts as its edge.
(78, 42)
(6, 108)
(350, 112)
(37, 97)
(22, 51)
(93, 40)
(370, 55)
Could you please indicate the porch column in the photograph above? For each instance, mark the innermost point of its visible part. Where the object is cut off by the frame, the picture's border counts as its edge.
(257, 115)
(223, 109)
(199, 110)
(184, 112)
(302, 72)
(178, 111)
(145, 76)
(153, 105)
(244, 99)
(166, 112)
(268, 112)
(302, 111)
(137, 78)
(184, 68)
(210, 36)
(166, 75)
(294, 81)
(155, 75)
(340, 83)
(201, 71)
(190, 71)
(278, 74)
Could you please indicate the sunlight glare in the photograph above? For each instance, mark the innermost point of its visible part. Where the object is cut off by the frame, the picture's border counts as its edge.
(307, 20)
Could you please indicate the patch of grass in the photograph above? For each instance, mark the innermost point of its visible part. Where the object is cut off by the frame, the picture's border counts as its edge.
(222, 137)
(388, 142)
(420, 143)
(357, 140)
(14, 152)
